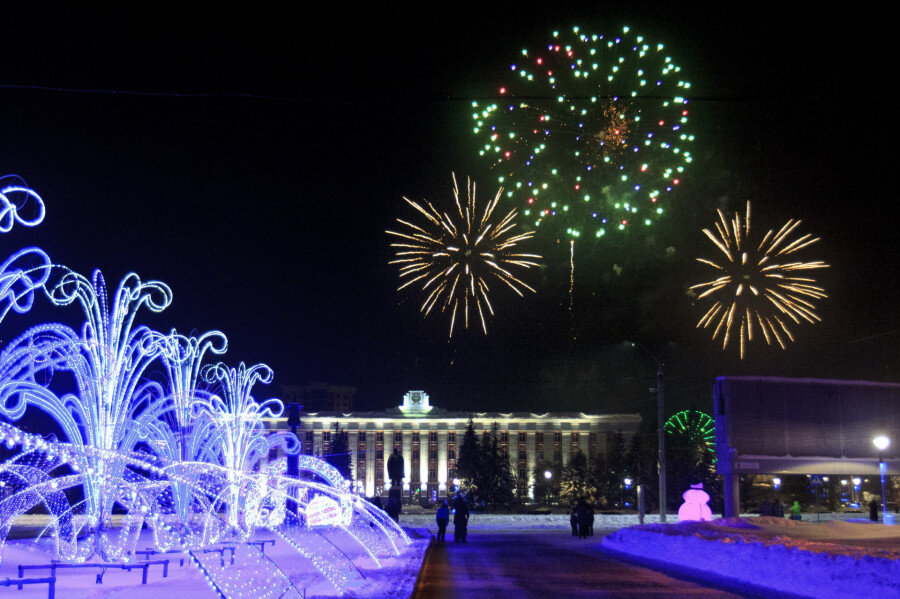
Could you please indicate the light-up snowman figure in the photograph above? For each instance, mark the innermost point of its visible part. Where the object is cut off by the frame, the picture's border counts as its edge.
(695, 506)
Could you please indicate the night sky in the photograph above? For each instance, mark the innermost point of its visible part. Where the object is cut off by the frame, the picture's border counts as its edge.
(259, 157)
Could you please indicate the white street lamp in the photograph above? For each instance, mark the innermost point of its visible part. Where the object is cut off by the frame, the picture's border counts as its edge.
(548, 475)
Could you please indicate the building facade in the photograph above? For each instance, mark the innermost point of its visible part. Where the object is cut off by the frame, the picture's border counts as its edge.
(429, 438)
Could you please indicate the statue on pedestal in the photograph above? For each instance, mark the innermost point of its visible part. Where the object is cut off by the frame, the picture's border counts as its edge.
(395, 467)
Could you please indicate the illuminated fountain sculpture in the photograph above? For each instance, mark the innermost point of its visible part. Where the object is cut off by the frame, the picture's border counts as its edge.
(145, 428)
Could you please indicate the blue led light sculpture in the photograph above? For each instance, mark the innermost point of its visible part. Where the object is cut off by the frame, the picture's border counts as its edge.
(145, 428)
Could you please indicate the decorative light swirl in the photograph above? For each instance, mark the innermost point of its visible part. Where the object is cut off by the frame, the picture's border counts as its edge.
(115, 407)
(176, 437)
(455, 257)
(589, 131)
(757, 285)
(183, 359)
(232, 422)
(21, 274)
(15, 198)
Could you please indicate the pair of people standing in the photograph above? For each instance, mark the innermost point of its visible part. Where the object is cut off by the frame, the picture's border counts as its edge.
(582, 520)
(460, 520)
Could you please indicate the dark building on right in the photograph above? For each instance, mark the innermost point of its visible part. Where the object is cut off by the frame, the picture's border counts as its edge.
(769, 425)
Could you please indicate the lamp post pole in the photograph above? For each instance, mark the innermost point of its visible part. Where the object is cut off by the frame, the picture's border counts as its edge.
(660, 431)
(293, 459)
(661, 456)
(881, 443)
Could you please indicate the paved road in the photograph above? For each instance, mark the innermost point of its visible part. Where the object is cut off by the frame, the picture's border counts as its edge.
(520, 564)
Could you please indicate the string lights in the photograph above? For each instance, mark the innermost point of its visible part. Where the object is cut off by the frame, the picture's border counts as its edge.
(145, 427)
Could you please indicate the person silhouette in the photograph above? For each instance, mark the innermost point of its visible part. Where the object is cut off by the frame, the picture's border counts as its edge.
(442, 518)
(460, 519)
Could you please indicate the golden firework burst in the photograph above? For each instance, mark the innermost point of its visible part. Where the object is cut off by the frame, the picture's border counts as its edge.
(758, 284)
(454, 257)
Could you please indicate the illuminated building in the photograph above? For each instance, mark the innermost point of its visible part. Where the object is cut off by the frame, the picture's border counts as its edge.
(429, 439)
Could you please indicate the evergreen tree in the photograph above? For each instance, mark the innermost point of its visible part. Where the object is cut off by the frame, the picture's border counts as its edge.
(339, 452)
(468, 458)
(484, 469)
(494, 481)
(577, 481)
(610, 470)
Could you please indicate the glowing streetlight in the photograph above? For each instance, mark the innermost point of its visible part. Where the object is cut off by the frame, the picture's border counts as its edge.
(881, 443)
(776, 482)
(548, 475)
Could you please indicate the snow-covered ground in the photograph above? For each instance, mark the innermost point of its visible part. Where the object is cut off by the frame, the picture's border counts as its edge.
(541, 521)
(834, 558)
(395, 578)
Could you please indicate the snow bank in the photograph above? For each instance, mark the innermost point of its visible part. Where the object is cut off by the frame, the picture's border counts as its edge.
(738, 550)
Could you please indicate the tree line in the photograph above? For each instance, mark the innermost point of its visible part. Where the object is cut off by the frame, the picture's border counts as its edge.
(489, 480)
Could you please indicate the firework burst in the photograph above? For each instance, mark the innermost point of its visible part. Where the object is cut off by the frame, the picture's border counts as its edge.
(588, 133)
(758, 287)
(455, 257)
